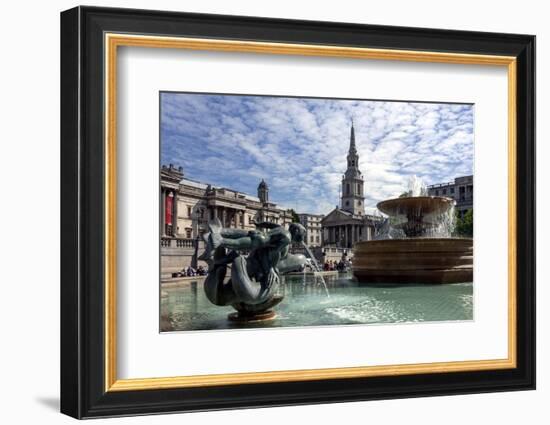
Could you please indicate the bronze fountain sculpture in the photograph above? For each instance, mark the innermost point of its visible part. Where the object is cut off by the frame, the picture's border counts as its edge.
(257, 259)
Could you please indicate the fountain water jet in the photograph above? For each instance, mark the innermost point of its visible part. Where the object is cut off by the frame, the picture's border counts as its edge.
(315, 267)
(414, 244)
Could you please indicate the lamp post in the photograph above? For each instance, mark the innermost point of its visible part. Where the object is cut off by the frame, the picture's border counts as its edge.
(194, 258)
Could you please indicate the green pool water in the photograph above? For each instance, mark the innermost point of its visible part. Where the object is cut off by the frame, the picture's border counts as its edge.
(306, 303)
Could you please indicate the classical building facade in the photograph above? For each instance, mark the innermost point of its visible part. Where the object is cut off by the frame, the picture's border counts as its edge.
(312, 224)
(461, 189)
(348, 223)
(187, 206)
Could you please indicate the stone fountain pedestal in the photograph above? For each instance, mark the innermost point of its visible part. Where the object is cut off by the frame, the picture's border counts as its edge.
(250, 313)
(421, 251)
(415, 260)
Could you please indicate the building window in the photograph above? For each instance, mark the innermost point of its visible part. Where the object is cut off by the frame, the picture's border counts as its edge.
(444, 191)
(452, 190)
(347, 189)
(188, 233)
(462, 191)
(317, 239)
(437, 193)
(347, 203)
(188, 211)
(358, 202)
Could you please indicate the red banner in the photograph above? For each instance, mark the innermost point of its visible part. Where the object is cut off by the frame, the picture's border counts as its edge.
(168, 209)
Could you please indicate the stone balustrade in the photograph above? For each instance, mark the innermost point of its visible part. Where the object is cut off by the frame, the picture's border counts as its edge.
(179, 243)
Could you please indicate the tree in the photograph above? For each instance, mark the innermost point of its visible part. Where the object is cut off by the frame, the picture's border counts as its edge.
(295, 217)
(465, 224)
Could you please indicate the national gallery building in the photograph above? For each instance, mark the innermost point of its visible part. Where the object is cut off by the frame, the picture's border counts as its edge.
(188, 206)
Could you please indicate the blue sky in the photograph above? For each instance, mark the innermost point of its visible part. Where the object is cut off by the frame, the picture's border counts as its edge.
(299, 145)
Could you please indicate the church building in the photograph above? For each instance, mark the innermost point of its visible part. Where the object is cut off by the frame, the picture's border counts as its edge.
(348, 223)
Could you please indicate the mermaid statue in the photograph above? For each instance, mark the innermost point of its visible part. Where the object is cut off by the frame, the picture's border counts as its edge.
(258, 258)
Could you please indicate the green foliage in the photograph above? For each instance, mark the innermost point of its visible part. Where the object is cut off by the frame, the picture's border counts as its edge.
(465, 225)
(295, 218)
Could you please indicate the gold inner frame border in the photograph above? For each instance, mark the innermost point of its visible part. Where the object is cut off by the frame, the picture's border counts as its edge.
(113, 40)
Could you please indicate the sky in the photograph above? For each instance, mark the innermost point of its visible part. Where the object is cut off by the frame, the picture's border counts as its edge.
(299, 145)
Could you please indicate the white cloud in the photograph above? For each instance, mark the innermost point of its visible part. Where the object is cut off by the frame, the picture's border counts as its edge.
(300, 145)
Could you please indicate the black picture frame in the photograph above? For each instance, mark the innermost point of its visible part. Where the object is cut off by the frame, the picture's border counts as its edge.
(83, 392)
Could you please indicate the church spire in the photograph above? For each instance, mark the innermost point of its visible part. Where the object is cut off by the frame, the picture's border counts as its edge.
(352, 149)
(353, 157)
(352, 181)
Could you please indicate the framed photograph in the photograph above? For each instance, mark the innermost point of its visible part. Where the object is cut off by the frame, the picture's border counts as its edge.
(261, 212)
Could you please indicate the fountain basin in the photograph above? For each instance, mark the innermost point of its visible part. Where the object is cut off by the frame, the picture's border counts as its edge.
(414, 260)
(421, 205)
(417, 216)
(186, 308)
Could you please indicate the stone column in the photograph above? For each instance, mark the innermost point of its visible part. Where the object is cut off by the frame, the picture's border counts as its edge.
(224, 217)
(175, 219)
(162, 212)
(345, 238)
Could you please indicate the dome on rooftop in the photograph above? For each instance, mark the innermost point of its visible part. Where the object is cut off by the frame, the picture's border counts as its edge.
(262, 185)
